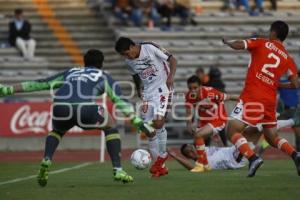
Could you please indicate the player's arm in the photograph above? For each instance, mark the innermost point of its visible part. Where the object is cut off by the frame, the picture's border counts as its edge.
(53, 82)
(290, 85)
(293, 76)
(173, 65)
(137, 81)
(184, 162)
(189, 117)
(235, 44)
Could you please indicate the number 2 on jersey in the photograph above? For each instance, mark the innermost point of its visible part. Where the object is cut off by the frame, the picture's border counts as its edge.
(274, 65)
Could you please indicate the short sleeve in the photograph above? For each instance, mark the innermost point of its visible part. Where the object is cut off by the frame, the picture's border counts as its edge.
(252, 43)
(160, 52)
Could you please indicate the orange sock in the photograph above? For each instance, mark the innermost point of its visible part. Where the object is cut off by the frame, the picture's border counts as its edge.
(200, 147)
(284, 146)
(241, 144)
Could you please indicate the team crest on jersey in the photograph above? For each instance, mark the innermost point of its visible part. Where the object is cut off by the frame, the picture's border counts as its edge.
(149, 71)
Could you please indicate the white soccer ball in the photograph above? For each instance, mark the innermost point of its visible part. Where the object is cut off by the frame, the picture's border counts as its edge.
(140, 159)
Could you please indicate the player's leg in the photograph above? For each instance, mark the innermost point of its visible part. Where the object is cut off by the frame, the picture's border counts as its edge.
(274, 140)
(202, 161)
(235, 128)
(234, 131)
(158, 168)
(156, 111)
(96, 117)
(62, 121)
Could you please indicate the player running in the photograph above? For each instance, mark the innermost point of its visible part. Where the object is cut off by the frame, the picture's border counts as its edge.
(74, 105)
(153, 70)
(257, 104)
(209, 106)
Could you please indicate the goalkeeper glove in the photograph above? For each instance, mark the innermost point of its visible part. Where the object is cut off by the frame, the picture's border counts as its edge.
(142, 126)
(6, 90)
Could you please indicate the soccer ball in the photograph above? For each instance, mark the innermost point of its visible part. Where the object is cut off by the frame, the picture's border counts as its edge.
(140, 159)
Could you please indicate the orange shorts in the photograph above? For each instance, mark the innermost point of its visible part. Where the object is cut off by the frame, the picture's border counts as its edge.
(255, 113)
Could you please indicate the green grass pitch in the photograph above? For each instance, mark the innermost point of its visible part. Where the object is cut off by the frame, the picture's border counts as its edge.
(275, 180)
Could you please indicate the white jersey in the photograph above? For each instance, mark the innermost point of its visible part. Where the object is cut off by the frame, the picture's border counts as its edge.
(224, 158)
(151, 66)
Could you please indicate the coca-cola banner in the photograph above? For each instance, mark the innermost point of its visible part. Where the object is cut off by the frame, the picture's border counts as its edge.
(30, 119)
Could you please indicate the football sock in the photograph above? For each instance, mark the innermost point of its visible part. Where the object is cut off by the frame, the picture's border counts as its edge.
(285, 147)
(52, 142)
(285, 123)
(162, 141)
(153, 147)
(113, 145)
(200, 147)
(241, 144)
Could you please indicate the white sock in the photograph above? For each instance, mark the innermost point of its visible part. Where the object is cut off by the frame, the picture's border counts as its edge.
(285, 123)
(162, 141)
(153, 147)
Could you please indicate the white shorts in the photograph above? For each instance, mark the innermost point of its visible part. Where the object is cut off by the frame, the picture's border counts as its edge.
(223, 158)
(156, 104)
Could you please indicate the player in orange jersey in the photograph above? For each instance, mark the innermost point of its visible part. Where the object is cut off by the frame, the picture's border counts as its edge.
(257, 105)
(209, 105)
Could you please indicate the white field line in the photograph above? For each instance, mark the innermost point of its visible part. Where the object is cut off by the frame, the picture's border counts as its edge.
(53, 172)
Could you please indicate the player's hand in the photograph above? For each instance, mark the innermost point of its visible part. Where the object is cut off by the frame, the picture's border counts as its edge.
(5, 90)
(143, 126)
(170, 82)
(148, 130)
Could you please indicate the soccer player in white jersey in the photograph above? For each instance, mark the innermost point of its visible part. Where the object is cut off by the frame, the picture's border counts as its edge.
(218, 157)
(153, 70)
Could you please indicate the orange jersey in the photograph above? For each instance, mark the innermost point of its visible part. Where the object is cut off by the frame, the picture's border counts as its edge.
(269, 61)
(210, 105)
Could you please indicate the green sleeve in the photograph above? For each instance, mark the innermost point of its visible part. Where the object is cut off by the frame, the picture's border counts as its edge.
(55, 81)
(124, 106)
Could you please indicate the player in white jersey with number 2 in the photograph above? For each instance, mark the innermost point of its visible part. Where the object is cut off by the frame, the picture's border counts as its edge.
(153, 69)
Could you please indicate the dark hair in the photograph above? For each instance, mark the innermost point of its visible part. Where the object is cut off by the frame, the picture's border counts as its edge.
(281, 29)
(214, 72)
(123, 44)
(18, 11)
(93, 58)
(182, 148)
(199, 70)
(193, 79)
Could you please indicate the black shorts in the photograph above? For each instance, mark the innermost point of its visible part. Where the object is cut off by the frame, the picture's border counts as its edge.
(66, 116)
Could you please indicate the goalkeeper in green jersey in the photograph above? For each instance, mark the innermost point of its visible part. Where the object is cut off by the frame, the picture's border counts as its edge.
(74, 104)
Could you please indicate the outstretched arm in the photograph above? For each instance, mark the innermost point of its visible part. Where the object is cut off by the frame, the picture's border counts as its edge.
(184, 162)
(55, 81)
(235, 44)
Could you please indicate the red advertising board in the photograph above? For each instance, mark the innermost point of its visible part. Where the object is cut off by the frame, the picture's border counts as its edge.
(30, 119)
